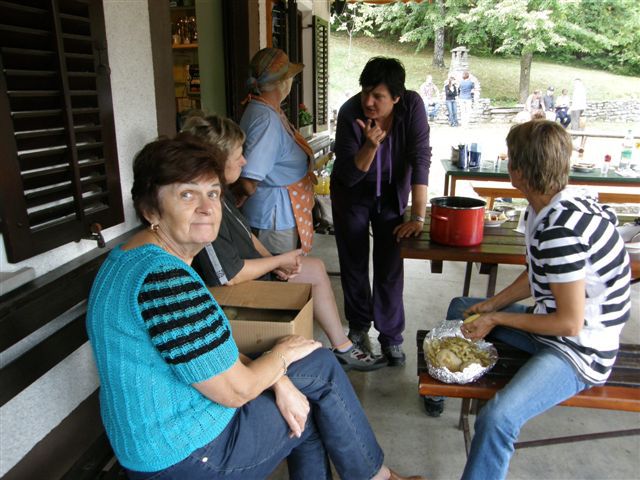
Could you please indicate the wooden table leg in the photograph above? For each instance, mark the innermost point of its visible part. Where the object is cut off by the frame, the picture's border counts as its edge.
(446, 184)
(491, 283)
(467, 279)
(463, 423)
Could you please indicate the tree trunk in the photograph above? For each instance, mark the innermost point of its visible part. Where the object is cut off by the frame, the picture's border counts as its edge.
(438, 44)
(525, 75)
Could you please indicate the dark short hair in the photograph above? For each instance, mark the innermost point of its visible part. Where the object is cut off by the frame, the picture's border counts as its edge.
(165, 161)
(389, 71)
(541, 151)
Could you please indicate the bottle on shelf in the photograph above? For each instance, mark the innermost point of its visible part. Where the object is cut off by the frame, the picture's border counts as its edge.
(627, 150)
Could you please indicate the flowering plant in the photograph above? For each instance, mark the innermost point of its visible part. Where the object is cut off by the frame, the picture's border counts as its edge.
(304, 116)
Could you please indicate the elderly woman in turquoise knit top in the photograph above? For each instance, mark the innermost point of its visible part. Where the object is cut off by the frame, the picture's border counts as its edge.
(177, 398)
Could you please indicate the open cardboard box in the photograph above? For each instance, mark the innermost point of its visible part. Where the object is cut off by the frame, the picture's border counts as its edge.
(262, 312)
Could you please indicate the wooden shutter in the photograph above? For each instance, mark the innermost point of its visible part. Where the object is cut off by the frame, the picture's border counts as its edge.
(57, 141)
(320, 73)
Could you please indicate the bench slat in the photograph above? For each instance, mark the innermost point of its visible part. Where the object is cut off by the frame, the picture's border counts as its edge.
(30, 366)
(55, 454)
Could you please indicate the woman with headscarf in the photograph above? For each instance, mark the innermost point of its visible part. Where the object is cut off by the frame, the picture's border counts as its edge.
(275, 189)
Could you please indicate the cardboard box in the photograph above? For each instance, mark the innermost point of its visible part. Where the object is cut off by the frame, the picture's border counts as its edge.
(262, 312)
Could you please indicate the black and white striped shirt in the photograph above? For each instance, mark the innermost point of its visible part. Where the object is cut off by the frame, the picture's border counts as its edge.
(571, 239)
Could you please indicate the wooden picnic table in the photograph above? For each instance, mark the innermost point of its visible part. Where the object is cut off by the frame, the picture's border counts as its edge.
(499, 174)
(500, 245)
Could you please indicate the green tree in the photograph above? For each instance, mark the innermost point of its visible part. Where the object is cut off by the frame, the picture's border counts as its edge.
(423, 23)
(604, 34)
(354, 18)
(519, 27)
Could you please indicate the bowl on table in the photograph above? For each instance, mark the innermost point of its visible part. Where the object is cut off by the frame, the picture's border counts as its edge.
(494, 218)
(583, 167)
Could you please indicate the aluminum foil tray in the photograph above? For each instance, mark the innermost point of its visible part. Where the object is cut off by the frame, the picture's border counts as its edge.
(451, 328)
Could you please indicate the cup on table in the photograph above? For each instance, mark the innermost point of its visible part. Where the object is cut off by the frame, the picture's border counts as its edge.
(474, 156)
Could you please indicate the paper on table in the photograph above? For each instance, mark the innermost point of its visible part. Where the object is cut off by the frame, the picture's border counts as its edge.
(520, 227)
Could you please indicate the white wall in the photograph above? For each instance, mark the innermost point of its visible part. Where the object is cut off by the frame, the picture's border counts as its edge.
(132, 84)
(32, 414)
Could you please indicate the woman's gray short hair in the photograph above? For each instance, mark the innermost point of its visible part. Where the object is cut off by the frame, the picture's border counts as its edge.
(541, 151)
(221, 132)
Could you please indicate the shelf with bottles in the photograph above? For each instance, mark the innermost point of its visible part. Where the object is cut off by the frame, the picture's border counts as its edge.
(184, 46)
(184, 28)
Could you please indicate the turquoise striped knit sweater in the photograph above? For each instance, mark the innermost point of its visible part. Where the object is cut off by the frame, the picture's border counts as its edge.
(155, 329)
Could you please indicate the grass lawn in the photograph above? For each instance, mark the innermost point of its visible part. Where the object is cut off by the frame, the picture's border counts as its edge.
(499, 77)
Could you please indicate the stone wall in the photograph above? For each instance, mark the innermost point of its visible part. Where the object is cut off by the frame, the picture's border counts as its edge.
(610, 110)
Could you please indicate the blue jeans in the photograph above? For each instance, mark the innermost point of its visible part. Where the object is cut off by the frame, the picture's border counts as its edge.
(545, 380)
(432, 110)
(257, 439)
(453, 113)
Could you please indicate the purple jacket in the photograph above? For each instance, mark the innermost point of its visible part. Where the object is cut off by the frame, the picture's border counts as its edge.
(411, 154)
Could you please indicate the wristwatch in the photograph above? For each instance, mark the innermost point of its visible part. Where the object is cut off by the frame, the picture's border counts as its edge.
(417, 218)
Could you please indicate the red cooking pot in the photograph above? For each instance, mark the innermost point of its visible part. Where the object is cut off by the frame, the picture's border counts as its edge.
(457, 221)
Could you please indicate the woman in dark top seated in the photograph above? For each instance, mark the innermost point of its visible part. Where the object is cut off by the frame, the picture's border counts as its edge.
(238, 256)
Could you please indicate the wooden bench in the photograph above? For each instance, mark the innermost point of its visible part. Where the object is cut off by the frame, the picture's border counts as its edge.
(493, 190)
(77, 448)
(621, 392)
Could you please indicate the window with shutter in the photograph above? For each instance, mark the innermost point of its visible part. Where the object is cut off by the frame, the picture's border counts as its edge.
(60, 178)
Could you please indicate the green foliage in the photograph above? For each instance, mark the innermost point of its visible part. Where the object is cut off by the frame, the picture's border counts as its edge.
(304, 116)
(498, 74)
(598, 33)
(605, 35)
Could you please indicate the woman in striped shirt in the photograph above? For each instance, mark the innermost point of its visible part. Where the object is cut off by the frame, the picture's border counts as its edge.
(578, 274)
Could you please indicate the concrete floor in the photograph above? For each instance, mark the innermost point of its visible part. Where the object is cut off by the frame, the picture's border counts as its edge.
(417, 444)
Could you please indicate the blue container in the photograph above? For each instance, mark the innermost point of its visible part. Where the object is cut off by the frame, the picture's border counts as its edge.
(474, 156)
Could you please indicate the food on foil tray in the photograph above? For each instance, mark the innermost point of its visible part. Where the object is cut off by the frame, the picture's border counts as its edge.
(456, 353)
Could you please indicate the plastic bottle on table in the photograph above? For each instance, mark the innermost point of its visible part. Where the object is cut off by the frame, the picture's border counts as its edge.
(627, 151)
(606, 164)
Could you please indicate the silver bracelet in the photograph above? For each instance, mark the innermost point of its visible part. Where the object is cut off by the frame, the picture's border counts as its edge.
(417, 218)
(284, 360)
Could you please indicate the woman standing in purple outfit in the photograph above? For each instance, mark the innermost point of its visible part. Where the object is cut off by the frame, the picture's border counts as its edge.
(382, 154)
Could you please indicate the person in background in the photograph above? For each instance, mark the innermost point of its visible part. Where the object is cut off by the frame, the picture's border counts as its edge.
(549, 102)
(430, 96)
(562, 108)
(382, 154)
(534, 105)
(578, 274)
(277, 179)
(177, 399)
(578, 104)
(466, 92)
(450, 94)
(237, 256)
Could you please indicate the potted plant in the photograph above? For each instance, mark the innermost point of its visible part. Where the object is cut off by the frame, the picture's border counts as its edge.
(305, 121)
